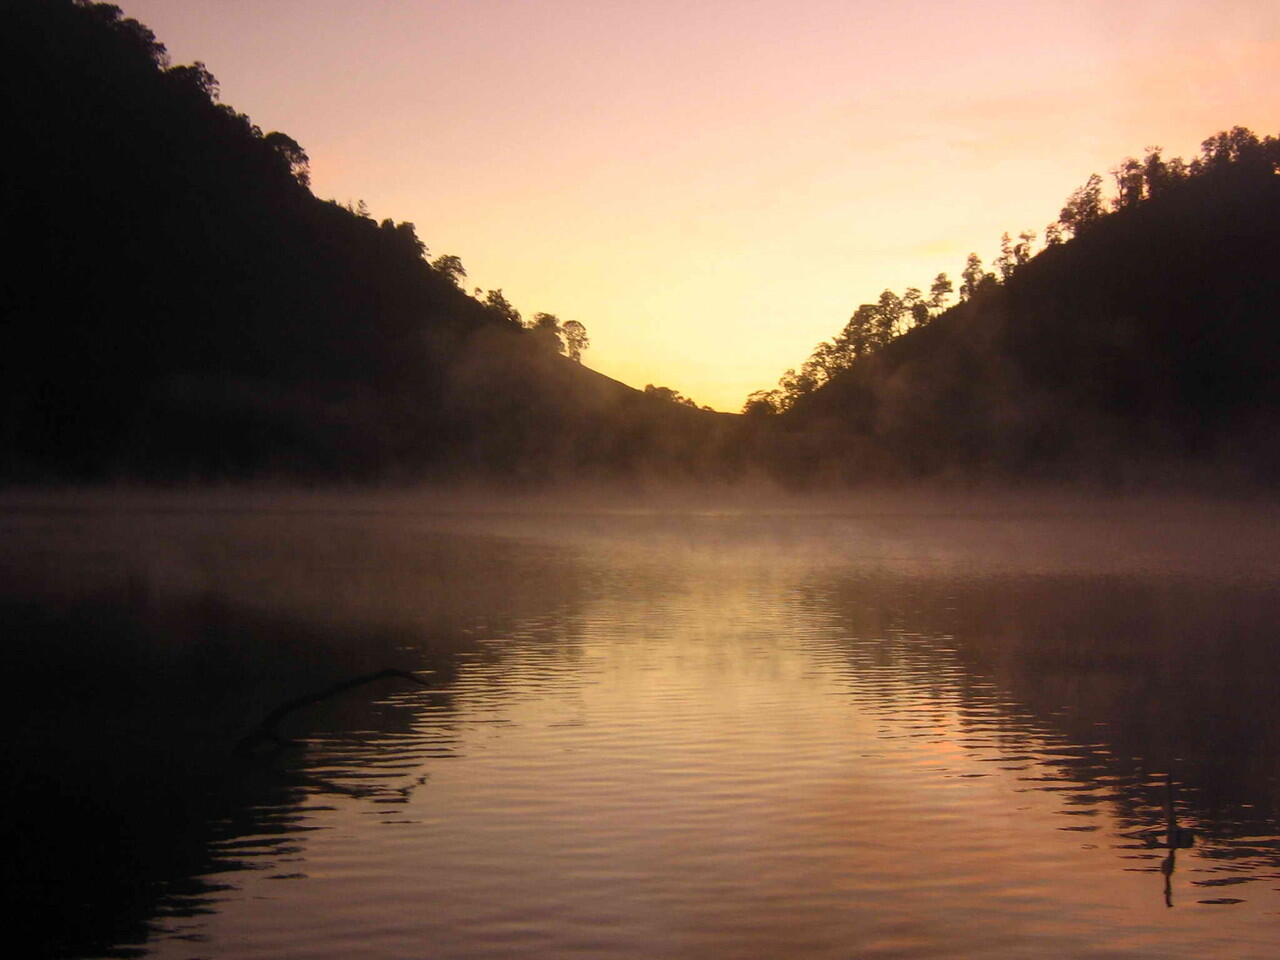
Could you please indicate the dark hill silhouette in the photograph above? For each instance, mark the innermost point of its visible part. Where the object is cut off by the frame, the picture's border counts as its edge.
(178, 304)
(1146, 348)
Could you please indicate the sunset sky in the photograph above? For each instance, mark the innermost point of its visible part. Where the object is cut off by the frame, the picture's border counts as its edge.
(712, 187)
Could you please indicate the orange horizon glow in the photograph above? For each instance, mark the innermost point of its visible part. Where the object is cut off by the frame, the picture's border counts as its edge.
(713, 188)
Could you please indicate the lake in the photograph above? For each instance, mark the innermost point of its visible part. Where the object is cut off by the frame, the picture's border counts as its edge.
(879, 726)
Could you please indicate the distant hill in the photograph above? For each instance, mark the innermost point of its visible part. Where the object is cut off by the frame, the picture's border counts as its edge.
(1145, 349)
(177, 304)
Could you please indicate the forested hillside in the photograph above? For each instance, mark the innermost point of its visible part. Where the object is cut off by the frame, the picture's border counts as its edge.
(1141, 344)
(177, 304)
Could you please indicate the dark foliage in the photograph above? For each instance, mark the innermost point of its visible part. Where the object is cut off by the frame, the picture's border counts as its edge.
(1144, 348)
(178, 304)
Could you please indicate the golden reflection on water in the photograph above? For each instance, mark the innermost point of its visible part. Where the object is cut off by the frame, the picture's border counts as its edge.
(747, 736)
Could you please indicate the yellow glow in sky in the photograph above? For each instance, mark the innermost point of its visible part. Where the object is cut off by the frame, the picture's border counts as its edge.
(712, 188)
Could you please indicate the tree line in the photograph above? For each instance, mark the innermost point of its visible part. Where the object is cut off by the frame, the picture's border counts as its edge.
(1136, 181)
(671, 395)
(568, 337)
(179, 300)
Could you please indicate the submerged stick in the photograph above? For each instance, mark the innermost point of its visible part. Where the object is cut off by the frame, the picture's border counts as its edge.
(266, 730)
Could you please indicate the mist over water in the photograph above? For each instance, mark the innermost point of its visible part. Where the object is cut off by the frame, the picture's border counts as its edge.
(894, 725)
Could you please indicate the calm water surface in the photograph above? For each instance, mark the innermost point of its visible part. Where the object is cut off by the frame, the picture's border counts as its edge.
(871, 730)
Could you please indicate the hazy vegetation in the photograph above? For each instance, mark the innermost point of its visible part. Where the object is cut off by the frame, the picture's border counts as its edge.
(1138, 346)
(1237, 154)
(674, 396)
(179, 305)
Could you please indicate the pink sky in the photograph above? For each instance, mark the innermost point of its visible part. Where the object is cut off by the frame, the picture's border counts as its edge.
(712, 187)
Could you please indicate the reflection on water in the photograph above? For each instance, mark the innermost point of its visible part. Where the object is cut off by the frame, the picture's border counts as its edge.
(1001, 733)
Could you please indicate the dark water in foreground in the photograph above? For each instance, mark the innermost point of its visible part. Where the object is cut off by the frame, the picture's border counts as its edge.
(871, 730)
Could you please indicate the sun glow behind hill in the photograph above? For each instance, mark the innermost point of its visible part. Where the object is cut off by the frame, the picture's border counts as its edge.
(711, 190)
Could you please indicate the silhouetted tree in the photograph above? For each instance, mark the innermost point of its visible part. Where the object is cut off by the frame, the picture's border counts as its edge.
(1160, 175)
(403, 238)
(1005, 263)
(1022, 249)
(447, 265)
(861, 332)
(916, 307)
(889, 310)
(795, 385)
(940, 291)
(500, 307)
(1084, 207)
(575, 337)
(292, 154)
(971, 277)
(1130, 178)
(761, 403)
(1238, 145)
(546, 330)
(828, 359)
(669, 395)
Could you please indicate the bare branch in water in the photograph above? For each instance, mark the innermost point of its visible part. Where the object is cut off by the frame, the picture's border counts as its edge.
(266, 730)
